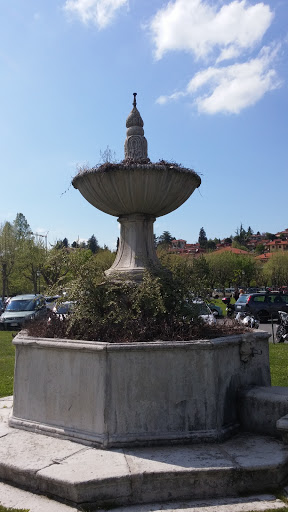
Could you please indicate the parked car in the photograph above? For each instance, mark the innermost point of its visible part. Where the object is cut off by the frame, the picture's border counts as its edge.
(262, 305)
(21, 309)
(229, 292)
(2, 306)
(202, 310)
(51, 301)
(64, 309)
(217, 292)
(216, 310)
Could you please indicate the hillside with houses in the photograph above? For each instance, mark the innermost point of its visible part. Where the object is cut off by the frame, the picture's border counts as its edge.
(263, 246)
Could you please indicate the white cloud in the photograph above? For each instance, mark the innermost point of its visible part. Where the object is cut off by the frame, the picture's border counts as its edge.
(232, 88)
(196, 26)
(98, 12)
(163, 99)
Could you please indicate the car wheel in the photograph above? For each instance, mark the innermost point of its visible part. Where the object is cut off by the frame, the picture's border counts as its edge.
(280, 333)
(263, 316)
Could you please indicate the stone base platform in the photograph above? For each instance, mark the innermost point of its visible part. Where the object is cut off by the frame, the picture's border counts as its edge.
(82, 475)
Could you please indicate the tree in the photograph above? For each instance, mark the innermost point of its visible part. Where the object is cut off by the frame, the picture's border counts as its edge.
(62, 244)
(165, 239)
(8, 248)
(202, 239)
(228, 269)
(211, 244)
(56, 267)
(92, 244)
(259, 249)
(22, 228)
(276, 269)
(249, 232)
(270, 236)
(29, 266)
(240, 236)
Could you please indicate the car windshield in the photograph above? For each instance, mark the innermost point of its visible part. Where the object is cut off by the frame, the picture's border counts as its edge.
(21, 305)
(243, 298)
(64, 308)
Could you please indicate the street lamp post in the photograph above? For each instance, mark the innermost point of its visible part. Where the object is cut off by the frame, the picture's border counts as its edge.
(38, 277)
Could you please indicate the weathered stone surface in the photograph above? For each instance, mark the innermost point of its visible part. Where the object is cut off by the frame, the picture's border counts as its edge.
(244, 464)
(169, 473)
(150, 189)
(78, 475)
(261, 407)
(135, 146)
(136, 393)
(136, 249)
(90, 474)
(253, 503)
(22, 455)
(6, 405)
(18, 498)
(282, 428)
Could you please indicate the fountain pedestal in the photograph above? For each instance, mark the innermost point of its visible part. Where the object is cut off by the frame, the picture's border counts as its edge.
(136, 249)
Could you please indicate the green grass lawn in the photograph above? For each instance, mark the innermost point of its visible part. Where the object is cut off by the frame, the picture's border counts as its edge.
(7, 353)
(279, 364)
(4, 509)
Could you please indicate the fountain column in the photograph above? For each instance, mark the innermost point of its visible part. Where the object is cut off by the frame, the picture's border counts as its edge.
(136, 249)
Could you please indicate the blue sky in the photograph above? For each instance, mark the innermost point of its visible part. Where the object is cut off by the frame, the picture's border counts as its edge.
(211, 78)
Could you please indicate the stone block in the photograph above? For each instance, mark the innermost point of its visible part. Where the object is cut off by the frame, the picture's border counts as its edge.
(260, 408)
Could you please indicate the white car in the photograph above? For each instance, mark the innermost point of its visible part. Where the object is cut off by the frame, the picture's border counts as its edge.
(51, 301)
(203, 311)
(23, 308)
(63, 309)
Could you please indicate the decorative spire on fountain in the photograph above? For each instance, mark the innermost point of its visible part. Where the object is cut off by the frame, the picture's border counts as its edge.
(135, 144)
(136, 191)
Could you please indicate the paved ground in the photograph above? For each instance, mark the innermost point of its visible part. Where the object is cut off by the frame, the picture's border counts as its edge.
(79, 472)
(269, 327)
(18, 498)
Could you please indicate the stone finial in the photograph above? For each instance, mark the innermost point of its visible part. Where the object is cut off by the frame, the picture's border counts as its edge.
(135, 144)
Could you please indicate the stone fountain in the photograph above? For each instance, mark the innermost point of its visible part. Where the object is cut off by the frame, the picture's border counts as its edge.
(137, 192)
(126, 395)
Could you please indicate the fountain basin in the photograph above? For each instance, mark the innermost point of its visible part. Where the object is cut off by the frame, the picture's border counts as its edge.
(129, 188)
(125, 394)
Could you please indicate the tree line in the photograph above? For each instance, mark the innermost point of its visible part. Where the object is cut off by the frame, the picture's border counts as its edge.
(28, 266)
(218, 269)
(239, 240)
